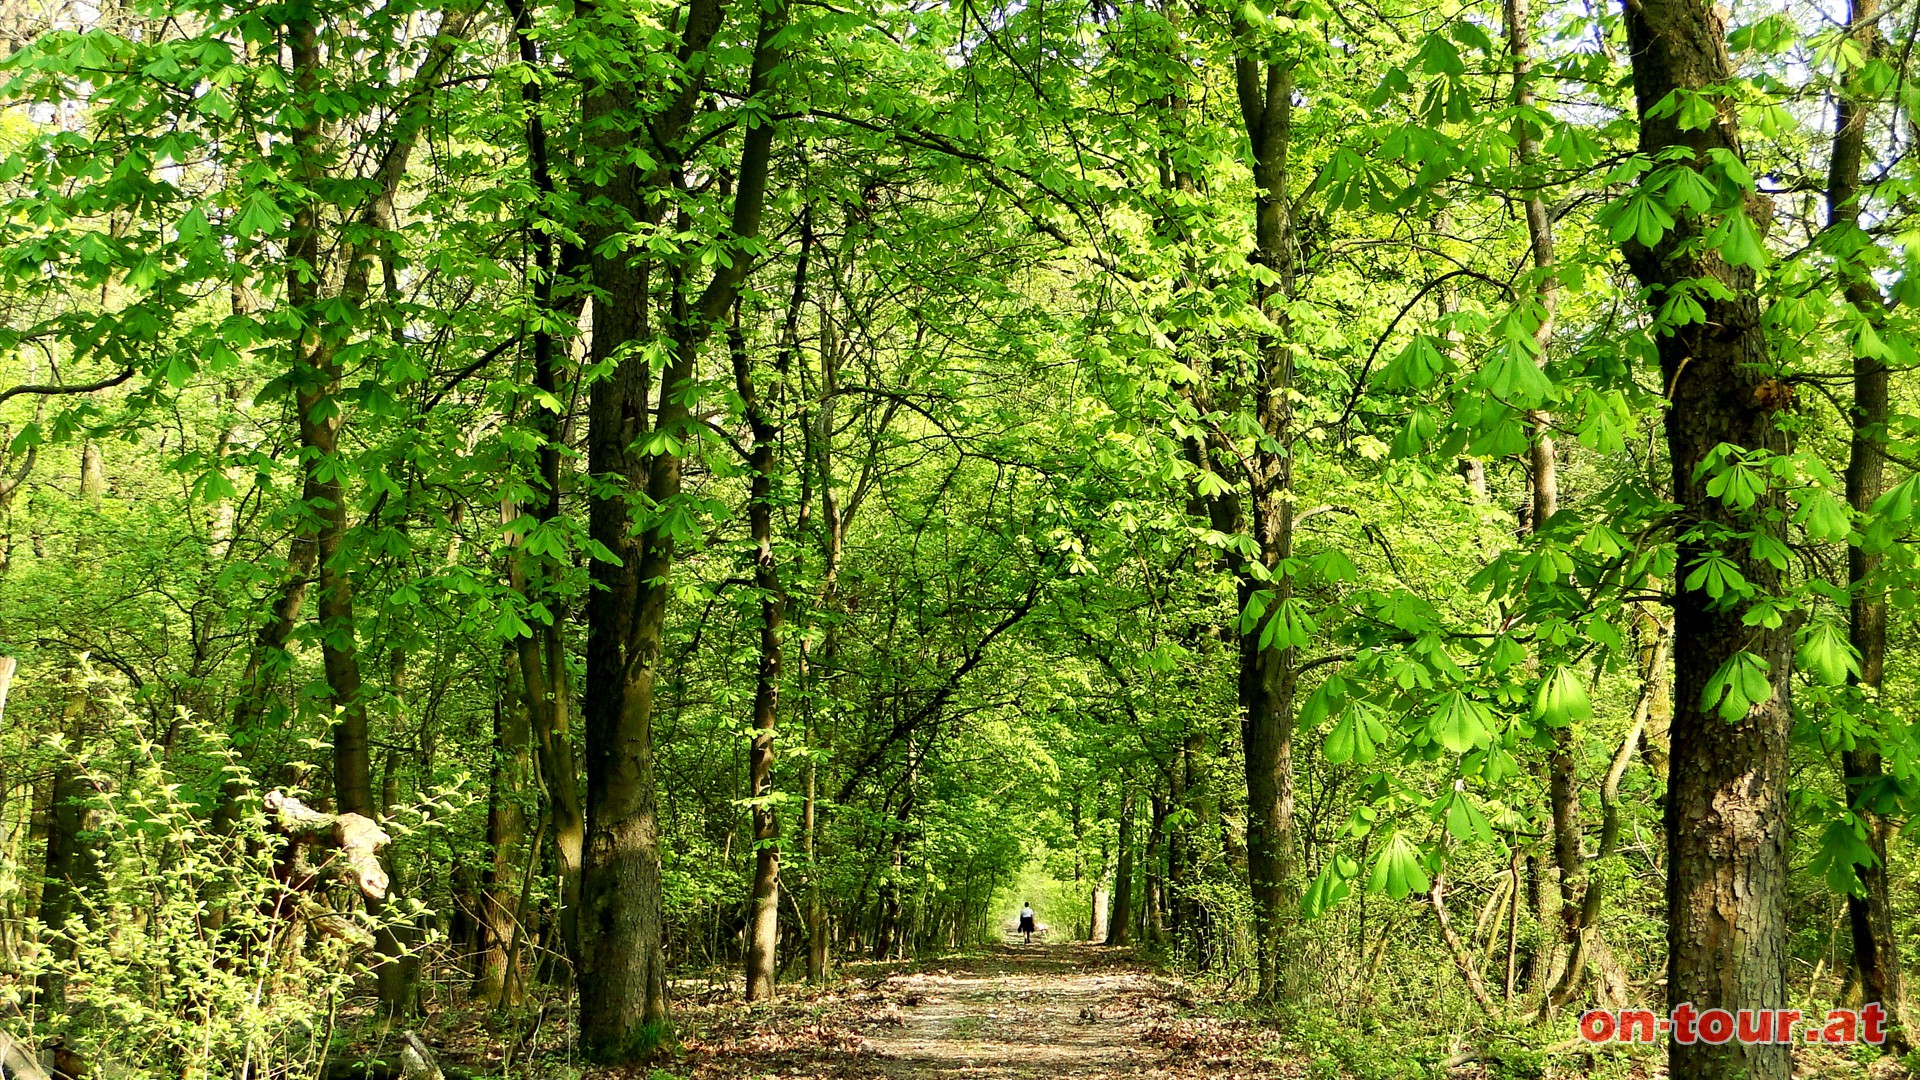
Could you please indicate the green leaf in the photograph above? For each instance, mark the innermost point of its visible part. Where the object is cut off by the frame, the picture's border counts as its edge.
(1825, 652)
(1562, 699)
(1738, 686)
(1739, 244)
(1327, 890)
(1842, 848)
(1397, 870)
(1460, 723)
(1824, 516)
(1737, 485)
(1465, 822)
(1356, 736)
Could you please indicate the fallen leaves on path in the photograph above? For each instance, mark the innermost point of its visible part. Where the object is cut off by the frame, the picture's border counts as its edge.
(1010, 1014)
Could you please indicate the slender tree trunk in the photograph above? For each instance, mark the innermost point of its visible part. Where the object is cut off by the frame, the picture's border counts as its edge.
(1155, 897)
(1653, 693)
(541, 664)
(1876, 949)
(1727, 806)
(317, 375)
(764, 902)
(1121, 924)
(1562, 765)
(1267, 675)
(816, 888)
(1462, 956)
(499, 979)
(73, 862)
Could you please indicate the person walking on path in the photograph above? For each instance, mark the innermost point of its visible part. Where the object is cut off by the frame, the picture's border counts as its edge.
(1026, 921)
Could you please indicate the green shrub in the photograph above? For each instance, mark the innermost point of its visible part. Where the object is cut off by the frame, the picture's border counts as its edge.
(182, 954)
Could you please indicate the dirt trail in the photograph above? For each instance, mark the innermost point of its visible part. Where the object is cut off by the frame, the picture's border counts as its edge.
(1010, 1013)
(1028, 1012)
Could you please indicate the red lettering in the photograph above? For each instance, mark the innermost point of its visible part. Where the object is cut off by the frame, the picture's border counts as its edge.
(1873, 1019)
(1683, 1024)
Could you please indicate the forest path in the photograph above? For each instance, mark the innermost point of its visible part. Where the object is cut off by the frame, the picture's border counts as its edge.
(1010, 1012)
(1023, 1011)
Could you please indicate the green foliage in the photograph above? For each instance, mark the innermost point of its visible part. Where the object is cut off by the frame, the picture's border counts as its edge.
(185, 952)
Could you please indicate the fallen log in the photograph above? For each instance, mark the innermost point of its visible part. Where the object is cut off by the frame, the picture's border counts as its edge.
(351, 840)
(16, 1063)
(415, 1061)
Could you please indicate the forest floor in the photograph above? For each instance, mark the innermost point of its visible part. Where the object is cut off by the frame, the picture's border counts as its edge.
(1015, 1012)
(1039, 1012)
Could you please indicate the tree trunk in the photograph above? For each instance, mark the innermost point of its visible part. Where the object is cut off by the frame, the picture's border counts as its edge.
(816, 888)
(1120, 925)
(542, 665)
(1727, 807)
(499, 979)
(1155, 897)
(1562, 765)
(73, 862)
(1876, 949)
(622, 970)
(763, 918)
(1268, 675)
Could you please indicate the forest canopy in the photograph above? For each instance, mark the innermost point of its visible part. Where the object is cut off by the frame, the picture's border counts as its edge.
(1402, 513)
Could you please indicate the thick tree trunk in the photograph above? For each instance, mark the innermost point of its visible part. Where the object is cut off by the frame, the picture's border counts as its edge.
(1727, 806)
(622, 968)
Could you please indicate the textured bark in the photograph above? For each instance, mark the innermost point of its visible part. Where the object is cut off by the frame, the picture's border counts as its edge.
(622, 966)
(1268, 676)
(1727, 807)
(1876, 949)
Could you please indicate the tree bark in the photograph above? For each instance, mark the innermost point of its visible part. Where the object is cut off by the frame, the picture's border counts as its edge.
(1121, 924)
(1727, 806)
(622, 969)
(763, 918)
(1267, 675)
(1876, 948)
